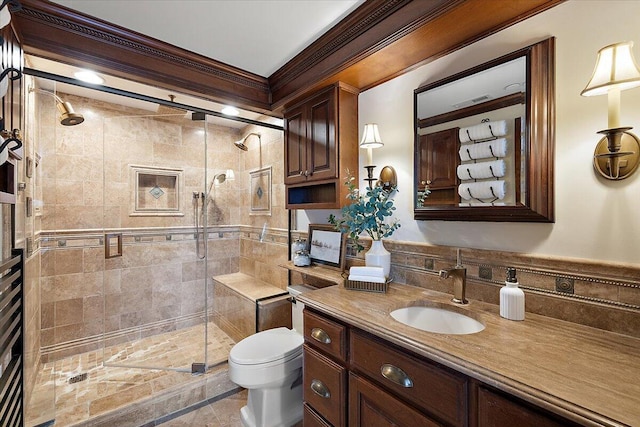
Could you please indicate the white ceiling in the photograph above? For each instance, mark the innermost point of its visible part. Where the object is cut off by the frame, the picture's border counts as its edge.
(259, 36)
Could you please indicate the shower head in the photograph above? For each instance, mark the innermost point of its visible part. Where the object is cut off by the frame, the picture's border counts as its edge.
(241, 143)
(68, 117)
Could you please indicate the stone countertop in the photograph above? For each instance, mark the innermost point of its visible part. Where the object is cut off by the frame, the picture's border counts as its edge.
(585, 374)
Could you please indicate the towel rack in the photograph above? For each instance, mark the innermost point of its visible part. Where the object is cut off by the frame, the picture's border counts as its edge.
(12, 343)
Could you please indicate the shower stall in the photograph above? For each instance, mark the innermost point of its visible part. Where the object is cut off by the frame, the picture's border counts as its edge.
(129, 236)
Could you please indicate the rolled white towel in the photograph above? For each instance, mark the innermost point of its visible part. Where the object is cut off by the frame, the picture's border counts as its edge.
(367, 279)
(483, 170)
(480, 204)
(483, 150)
(367, 271)
(490, 190)
(483, 131)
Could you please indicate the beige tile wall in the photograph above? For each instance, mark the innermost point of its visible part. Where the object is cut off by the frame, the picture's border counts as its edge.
(601, 295)
(158, 284)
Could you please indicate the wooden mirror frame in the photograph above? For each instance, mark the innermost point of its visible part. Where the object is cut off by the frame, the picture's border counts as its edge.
(539, 130)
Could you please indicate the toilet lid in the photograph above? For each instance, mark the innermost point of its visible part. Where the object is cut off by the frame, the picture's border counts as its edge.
(267, 346)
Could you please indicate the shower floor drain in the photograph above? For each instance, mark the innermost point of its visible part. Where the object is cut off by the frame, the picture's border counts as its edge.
(78, 378)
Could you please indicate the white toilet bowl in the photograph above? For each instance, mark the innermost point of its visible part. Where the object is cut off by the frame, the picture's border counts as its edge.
(269, 365)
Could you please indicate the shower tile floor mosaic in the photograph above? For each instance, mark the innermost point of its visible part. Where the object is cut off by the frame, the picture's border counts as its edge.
(112, 389)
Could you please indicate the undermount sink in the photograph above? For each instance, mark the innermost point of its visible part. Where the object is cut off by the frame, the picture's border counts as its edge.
(437, 320)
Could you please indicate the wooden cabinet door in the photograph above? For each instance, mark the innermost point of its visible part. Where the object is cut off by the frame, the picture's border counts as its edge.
(438, 160)
(325, 387)
(295, 143)
(321, 137)
(497, 410)
(370, 406)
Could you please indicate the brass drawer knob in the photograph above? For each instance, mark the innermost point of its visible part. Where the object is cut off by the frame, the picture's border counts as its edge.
(320, 335)
(320, 389)
(396, 375)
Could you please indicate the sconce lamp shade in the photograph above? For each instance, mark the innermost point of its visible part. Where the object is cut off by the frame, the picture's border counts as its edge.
(615, 69)
(371, 137)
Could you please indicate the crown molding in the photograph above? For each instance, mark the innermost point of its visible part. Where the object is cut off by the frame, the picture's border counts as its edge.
(378, 41)
(54, 32)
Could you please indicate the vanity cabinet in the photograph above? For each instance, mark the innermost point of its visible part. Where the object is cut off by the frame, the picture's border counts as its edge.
(496, 409)
(353, 378)
(320, 135)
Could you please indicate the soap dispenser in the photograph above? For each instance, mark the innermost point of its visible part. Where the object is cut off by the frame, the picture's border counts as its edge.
(511, 298)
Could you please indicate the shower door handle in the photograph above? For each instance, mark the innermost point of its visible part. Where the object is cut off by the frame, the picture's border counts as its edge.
(107, 245)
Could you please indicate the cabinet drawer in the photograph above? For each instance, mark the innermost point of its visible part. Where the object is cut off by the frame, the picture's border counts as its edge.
(438, 391)
(497, 410)
(324, 386)
(325, 335)
(311, 419)
(371, 406)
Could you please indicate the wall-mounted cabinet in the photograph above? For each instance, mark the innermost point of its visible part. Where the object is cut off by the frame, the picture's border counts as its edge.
(321, 145)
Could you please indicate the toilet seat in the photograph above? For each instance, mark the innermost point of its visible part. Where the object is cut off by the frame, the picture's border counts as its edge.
(268, 346)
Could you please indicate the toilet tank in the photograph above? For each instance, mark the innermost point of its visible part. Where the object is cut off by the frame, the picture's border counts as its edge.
(297, 307)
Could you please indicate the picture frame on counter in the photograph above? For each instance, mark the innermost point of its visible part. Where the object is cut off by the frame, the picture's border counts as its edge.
(327, 246)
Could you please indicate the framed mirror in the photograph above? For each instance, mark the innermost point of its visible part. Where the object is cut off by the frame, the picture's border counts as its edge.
(484, 141)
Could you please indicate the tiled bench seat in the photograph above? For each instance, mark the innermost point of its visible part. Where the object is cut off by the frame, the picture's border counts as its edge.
(244, 305)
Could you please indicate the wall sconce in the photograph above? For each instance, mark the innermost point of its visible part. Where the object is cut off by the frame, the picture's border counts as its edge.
(617, 155)
(370, 140)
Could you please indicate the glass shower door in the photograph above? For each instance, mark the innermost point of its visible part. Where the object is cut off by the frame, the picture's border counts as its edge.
(155, 301)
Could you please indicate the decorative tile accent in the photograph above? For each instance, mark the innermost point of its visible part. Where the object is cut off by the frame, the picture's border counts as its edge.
(570, 288)
(564, 285)
(429, 263)
(156, 192)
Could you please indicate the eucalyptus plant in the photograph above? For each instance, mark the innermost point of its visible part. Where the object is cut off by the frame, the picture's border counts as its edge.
(367, 213)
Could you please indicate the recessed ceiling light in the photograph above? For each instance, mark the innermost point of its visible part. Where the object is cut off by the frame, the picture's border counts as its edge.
(89, 77)
(512, 86)
(230, 111)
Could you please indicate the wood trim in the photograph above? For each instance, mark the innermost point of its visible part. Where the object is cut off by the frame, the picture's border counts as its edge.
(540, 148)
(54, 32)
(380, 40)
(494, 104)
(411, 35)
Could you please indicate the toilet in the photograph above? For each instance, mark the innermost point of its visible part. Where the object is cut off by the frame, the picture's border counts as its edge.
(269, 365)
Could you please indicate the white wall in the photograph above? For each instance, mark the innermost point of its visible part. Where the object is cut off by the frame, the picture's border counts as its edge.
(595, 218)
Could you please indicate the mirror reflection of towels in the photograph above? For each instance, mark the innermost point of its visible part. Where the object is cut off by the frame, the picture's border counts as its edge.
(483, 150)
(486, 190)
(483, 170)
(483, 131)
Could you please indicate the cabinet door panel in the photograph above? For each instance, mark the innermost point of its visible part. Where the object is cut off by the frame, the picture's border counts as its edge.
(295, 135)
(326, 335)
(322, 155)
(311, 419)
(324, 386)
(434, 389)
(369, 406)
(496, 410)
(438, 160)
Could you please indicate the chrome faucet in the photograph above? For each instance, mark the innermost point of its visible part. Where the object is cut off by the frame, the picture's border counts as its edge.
(459, 276)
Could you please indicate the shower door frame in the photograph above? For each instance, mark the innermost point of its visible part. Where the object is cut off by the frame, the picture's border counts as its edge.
(124, 239)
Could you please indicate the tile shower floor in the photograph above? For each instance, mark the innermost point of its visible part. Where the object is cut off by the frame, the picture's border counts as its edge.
(109, 389)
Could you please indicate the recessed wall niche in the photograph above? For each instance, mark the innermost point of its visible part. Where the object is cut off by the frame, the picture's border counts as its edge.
(156, 191)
